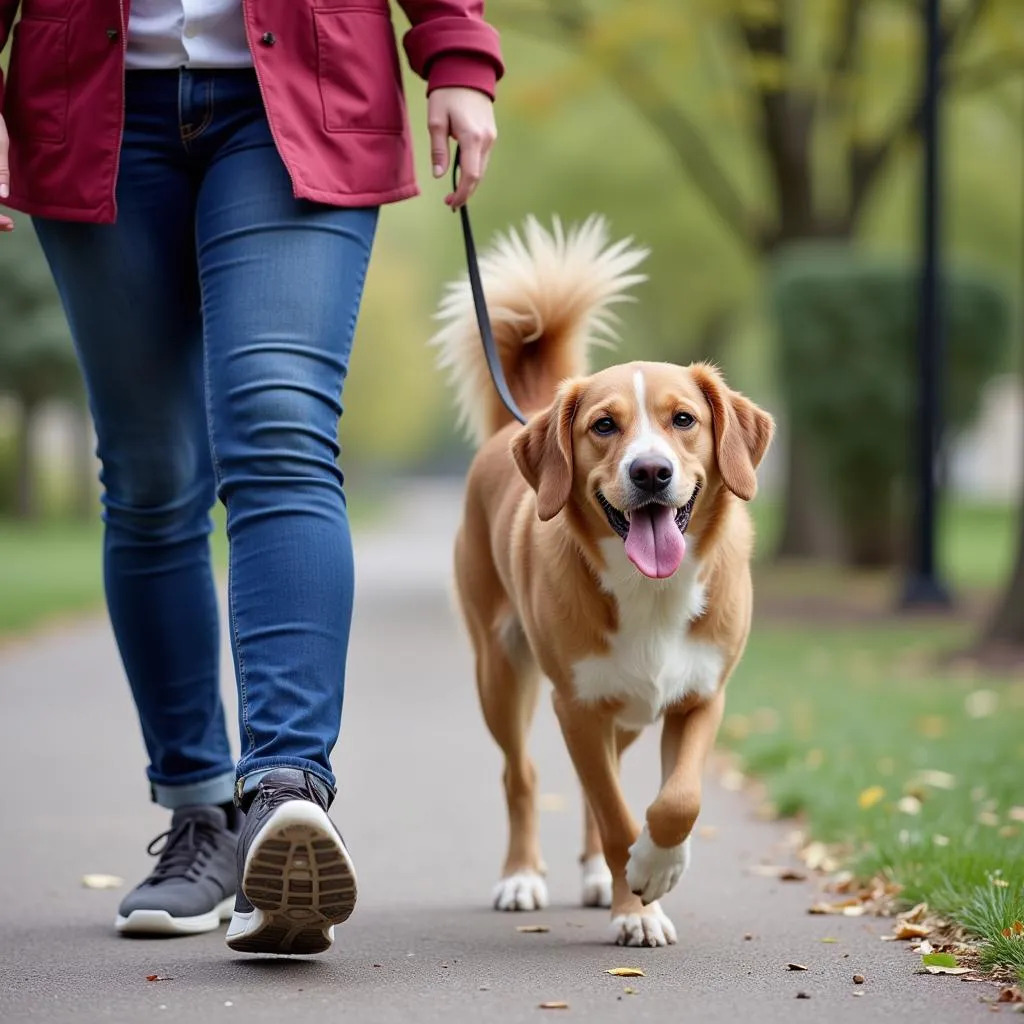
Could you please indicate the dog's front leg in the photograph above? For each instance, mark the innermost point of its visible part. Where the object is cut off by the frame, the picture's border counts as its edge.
(661, 854)
(591, 740)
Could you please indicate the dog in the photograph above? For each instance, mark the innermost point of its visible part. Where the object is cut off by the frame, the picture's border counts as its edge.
(605, 545)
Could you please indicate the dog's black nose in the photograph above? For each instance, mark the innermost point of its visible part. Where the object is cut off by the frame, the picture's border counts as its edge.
(651, 473)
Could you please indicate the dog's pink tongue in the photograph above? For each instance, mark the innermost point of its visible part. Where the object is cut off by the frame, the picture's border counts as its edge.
(654, 544)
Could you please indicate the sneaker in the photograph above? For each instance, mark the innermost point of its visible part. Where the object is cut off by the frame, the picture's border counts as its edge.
(191, 888)
(296, 877)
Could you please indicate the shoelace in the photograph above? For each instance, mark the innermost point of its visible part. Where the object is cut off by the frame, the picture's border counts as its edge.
(279, 792)
(184, 843)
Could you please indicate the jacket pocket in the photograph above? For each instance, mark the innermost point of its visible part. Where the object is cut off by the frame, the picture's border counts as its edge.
(358, 73)
(36, 93)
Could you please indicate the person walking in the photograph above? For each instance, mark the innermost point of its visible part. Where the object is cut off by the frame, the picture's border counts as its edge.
(205, 177)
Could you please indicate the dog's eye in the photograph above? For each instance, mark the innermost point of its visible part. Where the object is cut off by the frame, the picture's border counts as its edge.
(604, 426)
(683, 420)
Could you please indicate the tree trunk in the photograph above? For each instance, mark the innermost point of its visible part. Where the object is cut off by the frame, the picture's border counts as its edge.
(83, 500)
(25, 506)
(808, 527)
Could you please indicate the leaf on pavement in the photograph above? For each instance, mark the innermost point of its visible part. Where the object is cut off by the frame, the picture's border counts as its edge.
(629, 991)
(555, 1005)
(779, 871)
(904, 930)
(948, 970)
(626, 972)
(796, 967)
(532, 928)
(102, 881)
(940, 960)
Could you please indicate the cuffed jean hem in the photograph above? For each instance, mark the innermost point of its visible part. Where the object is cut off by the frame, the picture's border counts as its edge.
(249, 780)
(218, 790)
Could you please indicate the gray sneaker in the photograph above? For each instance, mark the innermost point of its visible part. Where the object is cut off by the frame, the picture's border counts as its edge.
(297, 879)
(192, 887)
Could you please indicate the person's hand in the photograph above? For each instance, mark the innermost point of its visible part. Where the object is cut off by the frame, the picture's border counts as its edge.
(6, 224)
(467, 116)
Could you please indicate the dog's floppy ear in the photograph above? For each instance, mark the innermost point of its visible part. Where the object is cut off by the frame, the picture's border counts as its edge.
(543, 452)
(742, 432)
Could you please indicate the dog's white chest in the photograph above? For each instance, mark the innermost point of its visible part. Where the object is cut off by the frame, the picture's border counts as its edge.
(653, 661)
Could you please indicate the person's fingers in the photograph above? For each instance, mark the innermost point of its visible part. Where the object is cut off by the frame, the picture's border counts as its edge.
(6, 224)
(437, 126)
(489, 141)
(5, 173)
(471, 144)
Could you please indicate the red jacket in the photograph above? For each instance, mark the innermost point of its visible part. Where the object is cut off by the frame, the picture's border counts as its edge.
(329, 73)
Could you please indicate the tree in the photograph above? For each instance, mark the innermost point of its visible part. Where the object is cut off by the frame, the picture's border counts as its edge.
(37, 359)
(818, 94)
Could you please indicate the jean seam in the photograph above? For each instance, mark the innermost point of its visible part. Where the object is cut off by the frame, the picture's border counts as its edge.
(190, 136)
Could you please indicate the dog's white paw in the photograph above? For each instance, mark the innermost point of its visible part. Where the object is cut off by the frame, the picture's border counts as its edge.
(525, 890)
(597, 882)
(652, 870)
(651, 928)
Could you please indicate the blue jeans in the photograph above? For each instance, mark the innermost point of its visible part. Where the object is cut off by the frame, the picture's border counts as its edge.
(214, 323)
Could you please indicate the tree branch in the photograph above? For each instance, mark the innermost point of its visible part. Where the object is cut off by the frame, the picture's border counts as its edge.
(691, 150)
(866, 162)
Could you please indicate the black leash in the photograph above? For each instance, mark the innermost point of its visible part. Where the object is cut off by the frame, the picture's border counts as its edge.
(482, 318)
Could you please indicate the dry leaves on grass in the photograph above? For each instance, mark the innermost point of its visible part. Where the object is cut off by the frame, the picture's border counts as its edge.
(626, 972)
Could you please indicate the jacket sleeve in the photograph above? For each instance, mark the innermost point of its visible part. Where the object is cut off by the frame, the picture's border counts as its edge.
(8, 11)
(450, 44)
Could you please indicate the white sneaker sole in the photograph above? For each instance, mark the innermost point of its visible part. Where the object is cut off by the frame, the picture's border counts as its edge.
(160, 922)
(300, 880)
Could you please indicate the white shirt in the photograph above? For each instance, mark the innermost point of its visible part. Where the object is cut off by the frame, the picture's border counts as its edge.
(168, 34)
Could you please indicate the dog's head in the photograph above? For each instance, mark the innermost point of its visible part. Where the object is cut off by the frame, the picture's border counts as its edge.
(637, 447)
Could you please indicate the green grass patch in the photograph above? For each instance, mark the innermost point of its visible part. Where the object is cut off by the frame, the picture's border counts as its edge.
(51, 569)
(919, 772)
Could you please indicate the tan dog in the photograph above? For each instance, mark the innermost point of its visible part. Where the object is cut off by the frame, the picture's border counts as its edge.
(606, 546)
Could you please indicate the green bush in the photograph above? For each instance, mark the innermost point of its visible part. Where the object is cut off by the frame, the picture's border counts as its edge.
(846, 326)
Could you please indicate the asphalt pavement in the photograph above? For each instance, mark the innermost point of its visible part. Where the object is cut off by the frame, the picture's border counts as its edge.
(421, 807)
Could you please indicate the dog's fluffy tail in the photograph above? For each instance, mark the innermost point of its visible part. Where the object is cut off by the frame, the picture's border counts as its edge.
(549, 296)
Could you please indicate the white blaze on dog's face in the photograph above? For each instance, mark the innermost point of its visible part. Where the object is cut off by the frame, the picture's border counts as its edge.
(633, 448)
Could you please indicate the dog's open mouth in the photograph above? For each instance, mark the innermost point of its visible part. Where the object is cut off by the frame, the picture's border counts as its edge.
(653, 534)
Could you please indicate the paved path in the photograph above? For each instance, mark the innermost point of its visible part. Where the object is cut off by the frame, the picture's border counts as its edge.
(421, 808)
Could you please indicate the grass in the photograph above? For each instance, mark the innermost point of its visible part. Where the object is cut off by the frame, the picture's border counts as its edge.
(53, 569)
(916, 771)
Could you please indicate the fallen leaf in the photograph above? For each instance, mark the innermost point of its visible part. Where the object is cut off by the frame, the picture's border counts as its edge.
(940, 960)
(858, 979)
(932, 727)
(781, 872)
(948, 970)
(796, 967)
(909, 805)
(904, 930)
(869, 797)
(157, 977)
(829, 939)
(925, 948)
(854, 911)
(531, 928)
(102, 881)
(803, 995)
(629, 991)
(981, 704)
(626, 972)
(916, 914)
(1010, 995)
(556, 1005)
(935, 779)
(839, 907)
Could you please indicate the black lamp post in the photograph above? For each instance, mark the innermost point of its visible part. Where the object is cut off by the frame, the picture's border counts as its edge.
(923, 587)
